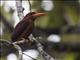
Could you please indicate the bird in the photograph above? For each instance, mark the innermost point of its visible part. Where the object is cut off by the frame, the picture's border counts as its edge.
(25, 27)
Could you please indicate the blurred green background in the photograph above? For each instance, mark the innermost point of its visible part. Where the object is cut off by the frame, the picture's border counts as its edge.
(63, 18)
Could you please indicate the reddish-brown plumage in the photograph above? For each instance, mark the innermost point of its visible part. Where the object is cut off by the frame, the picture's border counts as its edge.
(25, 27)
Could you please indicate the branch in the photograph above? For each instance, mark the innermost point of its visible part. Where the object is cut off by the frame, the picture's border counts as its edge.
(19, 51)
(19, 9)
(15, 46)
(40, 49)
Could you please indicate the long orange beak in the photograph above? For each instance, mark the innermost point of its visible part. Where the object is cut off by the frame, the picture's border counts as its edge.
(39, 14)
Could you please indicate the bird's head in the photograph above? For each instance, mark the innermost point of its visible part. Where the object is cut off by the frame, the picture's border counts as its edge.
(34, 15)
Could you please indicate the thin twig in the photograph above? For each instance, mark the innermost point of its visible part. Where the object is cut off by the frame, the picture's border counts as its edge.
(29, 5)
(30, 56)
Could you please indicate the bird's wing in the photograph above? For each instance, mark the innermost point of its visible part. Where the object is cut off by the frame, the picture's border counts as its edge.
(21, 26)
(28, 30)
